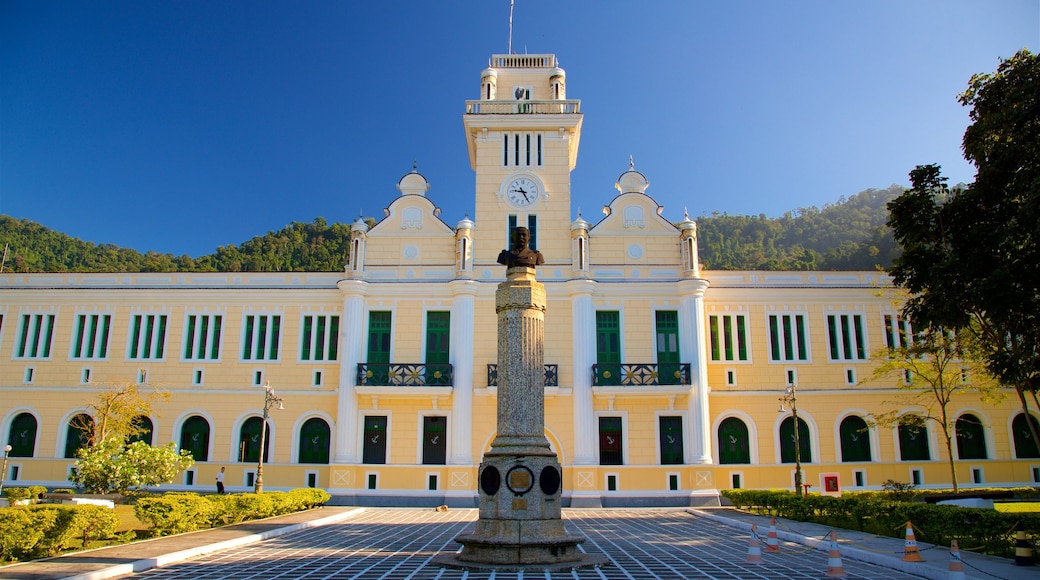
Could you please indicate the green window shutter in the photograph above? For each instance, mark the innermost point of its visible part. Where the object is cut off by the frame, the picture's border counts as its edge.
(379, 337)
(438, 334)
(608, 347)
(671, 440)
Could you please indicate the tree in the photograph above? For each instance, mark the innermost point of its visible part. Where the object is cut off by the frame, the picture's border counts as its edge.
(112, 460)
(112, 466)
(971, 257)
(934, 366)
(117, 412)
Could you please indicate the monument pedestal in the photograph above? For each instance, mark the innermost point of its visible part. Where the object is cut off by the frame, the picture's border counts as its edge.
(520, 478)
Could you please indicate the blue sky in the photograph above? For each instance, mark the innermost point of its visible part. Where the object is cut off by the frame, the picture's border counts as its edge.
(180, 126)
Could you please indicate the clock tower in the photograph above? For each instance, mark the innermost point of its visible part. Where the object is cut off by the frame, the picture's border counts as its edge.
(522, 135)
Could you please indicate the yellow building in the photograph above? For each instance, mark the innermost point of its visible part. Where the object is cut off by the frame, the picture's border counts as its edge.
(662, 381)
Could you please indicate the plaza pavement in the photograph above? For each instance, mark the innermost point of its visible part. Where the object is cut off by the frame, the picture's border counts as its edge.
(398, 543)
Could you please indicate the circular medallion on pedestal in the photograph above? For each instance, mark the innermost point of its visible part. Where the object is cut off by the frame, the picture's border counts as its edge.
(549, 480)
(519, 479)
(490, 480)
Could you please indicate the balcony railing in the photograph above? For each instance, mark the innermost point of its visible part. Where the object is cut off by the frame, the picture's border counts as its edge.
(404, 375)
(638, 374)
(552, 375)
(554, 106)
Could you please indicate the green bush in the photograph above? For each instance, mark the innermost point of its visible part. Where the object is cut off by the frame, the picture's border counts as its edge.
(48, 529)
(64, 490)
(310, 497)
(17, 493)
(174, 513)
(21, 530)
(987, 531)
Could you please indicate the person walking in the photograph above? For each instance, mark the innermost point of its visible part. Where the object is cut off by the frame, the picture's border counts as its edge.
(220, 481)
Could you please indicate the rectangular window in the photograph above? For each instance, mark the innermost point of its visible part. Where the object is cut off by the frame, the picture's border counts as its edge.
(898, 333)
(612, 482)
(319, 338)
(435, 440)
(147, 337)
(608, 348)
(669, 371)
(202, 337)
(728, 334)
(90, 336)
(1036, 474)
(976, 475)
(35, 336)
(312, 479)
(671, 440)
(915, 477)
(373, 480)
(845, 337)
(516, 149)
(196, 377)
(189, 477)
(379, 326)
(527, 149)
(787, 337)
(505, 149)
(673, 482)
(532, 227)
(610, 451)
(29, 373)
(731, 377)
(438, 335)
(431, 482)
(735, 480)
(260, 337)
(85, 376)
(860, 477)
(539, 150)
(317, 378)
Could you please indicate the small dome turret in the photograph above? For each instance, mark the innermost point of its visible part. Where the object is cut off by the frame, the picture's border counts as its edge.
(632, 181)
(464, 224)
(359, 225)
(413, 183)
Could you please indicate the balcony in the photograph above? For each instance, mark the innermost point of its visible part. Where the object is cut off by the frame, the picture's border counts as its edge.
(553, 106)
(404, 375)
(552, 375)
(639, 374)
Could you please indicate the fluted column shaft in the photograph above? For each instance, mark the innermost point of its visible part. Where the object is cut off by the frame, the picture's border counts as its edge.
(350, 355)
(462, 329)
(694, 349)
(583, 328)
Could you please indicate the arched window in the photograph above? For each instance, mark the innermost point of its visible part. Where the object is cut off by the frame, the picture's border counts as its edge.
(855, 439)
(971, 439)
(787, 454)
(734, 446)
(314, 441)
(913, 441)
(249, 441)
(78, 433)
(144, 424)
(22, 437)
(1025, 446)
(195, 437)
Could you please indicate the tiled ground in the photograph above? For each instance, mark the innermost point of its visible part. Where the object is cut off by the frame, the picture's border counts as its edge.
(399, 544)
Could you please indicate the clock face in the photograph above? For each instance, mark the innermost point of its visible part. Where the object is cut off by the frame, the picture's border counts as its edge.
(522, 192)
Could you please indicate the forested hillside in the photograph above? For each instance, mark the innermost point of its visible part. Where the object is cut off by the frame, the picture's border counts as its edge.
(848, 235)
(315, 247)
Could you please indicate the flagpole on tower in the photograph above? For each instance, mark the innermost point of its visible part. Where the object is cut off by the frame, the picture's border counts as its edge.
(510, 49)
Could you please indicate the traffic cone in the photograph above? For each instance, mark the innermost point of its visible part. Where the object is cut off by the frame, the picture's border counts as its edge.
(956, 566)
(772, 543)
(910, 553)
(835, 569)
(1023, 551)
(754, 550)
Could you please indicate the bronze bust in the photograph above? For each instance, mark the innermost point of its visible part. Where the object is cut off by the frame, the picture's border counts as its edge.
(521, 255)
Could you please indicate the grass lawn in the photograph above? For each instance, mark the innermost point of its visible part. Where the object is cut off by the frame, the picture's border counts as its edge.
(1018, 506)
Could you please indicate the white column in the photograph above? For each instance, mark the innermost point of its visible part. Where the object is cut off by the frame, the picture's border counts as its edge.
(462, 328)
(694, 349)
(351, 342)
(583, 330)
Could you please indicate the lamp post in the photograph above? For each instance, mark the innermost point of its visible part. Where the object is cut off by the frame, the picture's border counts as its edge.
(270, 400)
(3, 474)
(791, 396)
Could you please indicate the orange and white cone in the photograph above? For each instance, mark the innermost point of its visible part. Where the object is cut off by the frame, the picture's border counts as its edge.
(910, 553)
(835, 569)
(754, 549)
(772, 543)
(956, 566)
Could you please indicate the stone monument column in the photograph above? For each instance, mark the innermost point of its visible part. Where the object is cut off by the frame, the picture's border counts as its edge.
(520, 478)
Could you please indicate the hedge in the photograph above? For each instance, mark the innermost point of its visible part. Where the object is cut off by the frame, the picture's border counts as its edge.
(44, 530)
(174, 513)
(983, 530)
